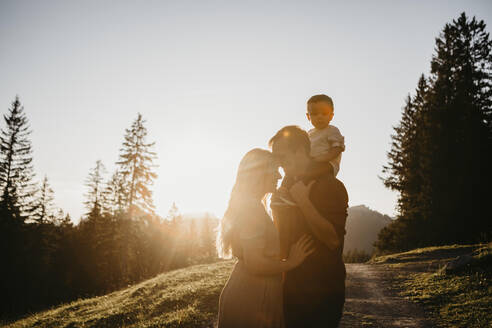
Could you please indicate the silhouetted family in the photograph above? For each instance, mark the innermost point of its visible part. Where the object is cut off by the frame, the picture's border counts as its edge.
(289, 270)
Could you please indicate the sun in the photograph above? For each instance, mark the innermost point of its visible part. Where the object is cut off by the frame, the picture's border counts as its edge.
(197, 175)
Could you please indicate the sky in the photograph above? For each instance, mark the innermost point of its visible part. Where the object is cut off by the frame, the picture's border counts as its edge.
(212, 79)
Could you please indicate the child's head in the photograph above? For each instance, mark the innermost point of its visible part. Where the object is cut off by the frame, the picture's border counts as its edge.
(320, 111)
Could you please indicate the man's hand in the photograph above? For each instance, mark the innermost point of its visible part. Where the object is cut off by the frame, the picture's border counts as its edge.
(300, 192)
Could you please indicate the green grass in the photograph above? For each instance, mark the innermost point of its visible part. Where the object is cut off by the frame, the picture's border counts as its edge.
(459, 299)
(182, 298)
(427, 253)
(189, 297)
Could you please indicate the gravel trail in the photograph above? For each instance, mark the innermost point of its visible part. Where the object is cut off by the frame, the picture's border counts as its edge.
(372, 302)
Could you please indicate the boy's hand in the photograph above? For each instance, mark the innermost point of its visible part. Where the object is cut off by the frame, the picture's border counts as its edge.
(300, 192)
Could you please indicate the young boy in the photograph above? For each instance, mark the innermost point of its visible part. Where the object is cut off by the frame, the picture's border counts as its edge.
(327, 143)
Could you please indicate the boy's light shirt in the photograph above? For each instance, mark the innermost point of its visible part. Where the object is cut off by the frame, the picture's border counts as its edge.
(322, 140)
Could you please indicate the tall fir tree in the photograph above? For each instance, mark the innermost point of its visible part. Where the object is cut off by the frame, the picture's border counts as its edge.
(459, 116)
(406, 167)
(136, 164)
(441, 151)
(44, 209)
(173, 213)
(115, 194)
(16, 170)
(95, 196)
(207, 237)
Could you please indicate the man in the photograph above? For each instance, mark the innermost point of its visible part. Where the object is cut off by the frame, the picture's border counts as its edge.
(314, 292)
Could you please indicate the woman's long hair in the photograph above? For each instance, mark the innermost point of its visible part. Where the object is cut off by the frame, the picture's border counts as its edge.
(250, 182)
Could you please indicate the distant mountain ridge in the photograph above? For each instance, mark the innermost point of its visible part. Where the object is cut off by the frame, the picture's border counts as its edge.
(363, 226)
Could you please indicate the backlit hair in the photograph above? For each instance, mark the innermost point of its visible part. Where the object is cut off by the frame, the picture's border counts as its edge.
(294, 138)
(253, 169)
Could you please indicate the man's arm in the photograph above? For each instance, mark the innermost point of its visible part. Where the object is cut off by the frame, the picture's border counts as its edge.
(319, 226)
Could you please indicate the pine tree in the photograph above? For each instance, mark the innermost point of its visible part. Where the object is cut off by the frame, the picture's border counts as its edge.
(95, 197)
(44, 207)
(191, 240)
(406, 168)
(136, 163)
(207, 237)
(16, 169)
(441, 151)
(66, 221)
(115, 194)
(173, 213)
(460, 119)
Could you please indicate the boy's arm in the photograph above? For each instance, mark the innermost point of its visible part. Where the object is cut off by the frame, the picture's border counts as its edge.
(330, 155)
(337, 145)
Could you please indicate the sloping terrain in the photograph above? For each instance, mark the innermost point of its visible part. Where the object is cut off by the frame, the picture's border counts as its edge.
(452, 284)
(409, 289)
(182, 298)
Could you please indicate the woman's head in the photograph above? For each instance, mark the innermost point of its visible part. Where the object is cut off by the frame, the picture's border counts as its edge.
(257, 176)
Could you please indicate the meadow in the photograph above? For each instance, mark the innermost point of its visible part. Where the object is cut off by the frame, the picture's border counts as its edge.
(181, 298)
(188, 297)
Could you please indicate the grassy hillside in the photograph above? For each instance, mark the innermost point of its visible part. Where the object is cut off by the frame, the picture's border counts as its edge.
(189, 297)
(452, 298)
(183, 298)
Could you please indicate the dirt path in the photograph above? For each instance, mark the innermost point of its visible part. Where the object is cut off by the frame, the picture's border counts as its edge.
(371, 302)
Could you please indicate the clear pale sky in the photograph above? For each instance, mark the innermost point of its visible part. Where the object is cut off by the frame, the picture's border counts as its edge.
(213, 79)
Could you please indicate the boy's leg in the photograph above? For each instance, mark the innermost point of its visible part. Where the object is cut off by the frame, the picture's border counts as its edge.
(317, 169)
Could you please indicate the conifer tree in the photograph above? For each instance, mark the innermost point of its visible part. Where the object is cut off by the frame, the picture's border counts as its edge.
(66, 221)
(207, 237)
(16, 169)
(136, 164)
(44, 208)
(95, 197)
(115, 194)
(459, 116)
(405, 169)
(173, 213)
(441, 151)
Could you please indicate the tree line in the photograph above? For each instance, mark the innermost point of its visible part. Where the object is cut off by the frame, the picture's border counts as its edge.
(440, 161)
(120, 240)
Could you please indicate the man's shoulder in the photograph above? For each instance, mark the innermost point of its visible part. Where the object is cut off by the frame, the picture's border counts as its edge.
(329, 185)
(329, 181)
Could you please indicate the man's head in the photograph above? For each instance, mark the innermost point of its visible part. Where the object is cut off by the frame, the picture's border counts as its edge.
(320, 111)
(291, 147)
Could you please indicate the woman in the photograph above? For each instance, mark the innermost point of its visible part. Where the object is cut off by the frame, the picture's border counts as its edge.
(252, 297)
